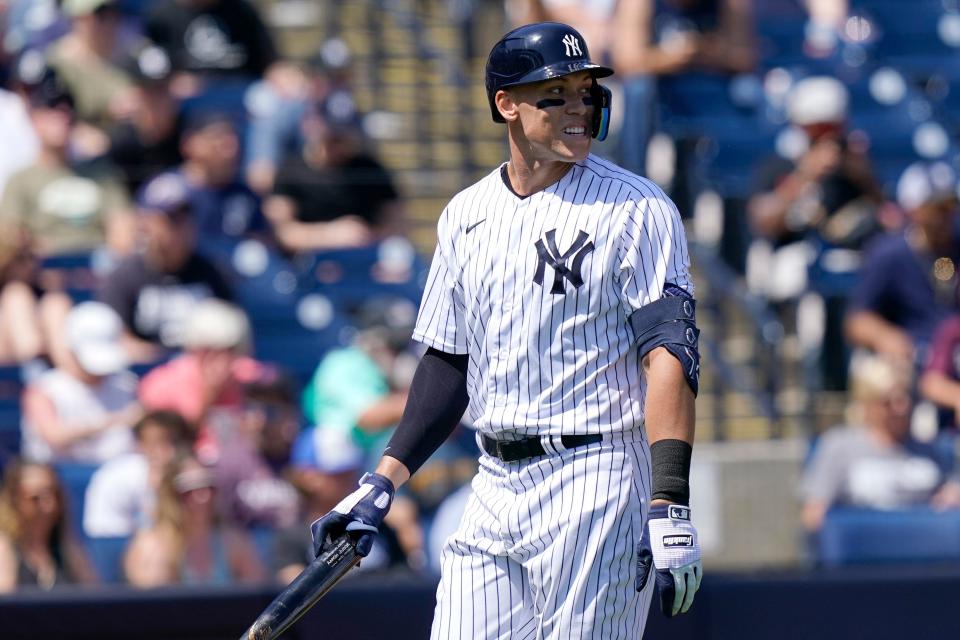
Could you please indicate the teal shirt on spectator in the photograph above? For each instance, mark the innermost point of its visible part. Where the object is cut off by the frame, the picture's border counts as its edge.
(347, 381)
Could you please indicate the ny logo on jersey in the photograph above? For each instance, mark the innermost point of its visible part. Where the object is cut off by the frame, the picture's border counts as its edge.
(548, 253)
(571, 45)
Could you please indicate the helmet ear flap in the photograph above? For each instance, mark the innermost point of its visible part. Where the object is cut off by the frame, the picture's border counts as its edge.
(602, 97)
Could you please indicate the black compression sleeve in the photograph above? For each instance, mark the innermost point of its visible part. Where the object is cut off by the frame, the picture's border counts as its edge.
(436, 402)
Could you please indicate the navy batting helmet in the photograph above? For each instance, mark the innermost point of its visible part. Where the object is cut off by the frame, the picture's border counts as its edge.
(541, 51)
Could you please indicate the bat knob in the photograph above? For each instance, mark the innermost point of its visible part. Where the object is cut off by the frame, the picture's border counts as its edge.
(259, 631)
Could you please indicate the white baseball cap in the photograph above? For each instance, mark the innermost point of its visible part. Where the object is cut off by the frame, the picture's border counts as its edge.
(924, 182)
(816, 100)
(93, 332)
(217, 324)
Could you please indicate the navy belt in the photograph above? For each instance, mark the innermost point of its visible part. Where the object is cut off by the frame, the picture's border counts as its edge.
(513, 450)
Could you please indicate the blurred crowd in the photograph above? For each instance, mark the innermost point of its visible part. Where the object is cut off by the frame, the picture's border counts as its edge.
(191, 373)
(198, 359)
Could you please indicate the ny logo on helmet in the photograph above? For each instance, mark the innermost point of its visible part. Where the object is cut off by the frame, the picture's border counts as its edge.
(548, 253)
(571, 45)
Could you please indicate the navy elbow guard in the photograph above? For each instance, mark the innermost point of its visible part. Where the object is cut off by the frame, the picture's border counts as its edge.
(670, 322)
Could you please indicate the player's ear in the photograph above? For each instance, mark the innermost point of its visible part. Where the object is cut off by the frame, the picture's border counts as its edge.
(507, 105)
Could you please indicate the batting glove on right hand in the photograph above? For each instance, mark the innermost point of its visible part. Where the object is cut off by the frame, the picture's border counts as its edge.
(670, 547)
(361, 511)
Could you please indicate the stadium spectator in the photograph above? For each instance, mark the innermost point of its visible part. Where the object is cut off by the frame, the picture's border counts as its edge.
(908, 281)
(326, 466)
(361, 391)
(814, 214)
(828, 194)
(274, 118)
(156, 290)
(211, 40)
(122, 493)
(332, 194)
(86, 60)
(83, 410)
(147, 142)
(187, 544)
(651, 39)
(874, 462)
(205, 383)
(249, 469)
(37, 547)
(224, 207)
(56, 208)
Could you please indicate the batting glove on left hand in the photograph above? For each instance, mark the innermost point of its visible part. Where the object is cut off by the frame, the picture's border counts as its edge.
(361, 511)
(670, 547)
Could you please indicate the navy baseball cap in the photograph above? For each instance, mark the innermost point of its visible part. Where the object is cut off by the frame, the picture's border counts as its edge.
(167, 193)
(148, 65)
(39, 82)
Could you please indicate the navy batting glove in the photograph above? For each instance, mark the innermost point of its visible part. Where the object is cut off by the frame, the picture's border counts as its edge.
(362, 511)
(670, 547)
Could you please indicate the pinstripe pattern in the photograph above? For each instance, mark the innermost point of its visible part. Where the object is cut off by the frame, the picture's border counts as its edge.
(543, 363)
(547, 546)
(547, 549)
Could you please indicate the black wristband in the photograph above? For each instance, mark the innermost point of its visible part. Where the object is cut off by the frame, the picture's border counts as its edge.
(670, 460)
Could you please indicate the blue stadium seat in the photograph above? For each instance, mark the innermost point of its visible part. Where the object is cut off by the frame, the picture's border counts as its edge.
(106, 554)
(75, 477)
(861, 536)
(10, 415)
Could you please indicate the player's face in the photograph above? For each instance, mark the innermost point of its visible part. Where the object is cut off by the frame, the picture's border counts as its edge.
(556, 120)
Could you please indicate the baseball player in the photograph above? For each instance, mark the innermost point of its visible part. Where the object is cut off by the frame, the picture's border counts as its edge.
(559, 313)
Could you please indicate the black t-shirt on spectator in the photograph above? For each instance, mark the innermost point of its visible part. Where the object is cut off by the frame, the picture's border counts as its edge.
(361, 187)
(139, 161)
(836, 190)
(154, 306)
(226, 38)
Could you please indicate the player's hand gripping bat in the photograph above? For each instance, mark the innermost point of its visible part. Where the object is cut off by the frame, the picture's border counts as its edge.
(305, 590)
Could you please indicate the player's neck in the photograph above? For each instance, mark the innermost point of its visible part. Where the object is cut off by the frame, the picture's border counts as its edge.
(528, 177)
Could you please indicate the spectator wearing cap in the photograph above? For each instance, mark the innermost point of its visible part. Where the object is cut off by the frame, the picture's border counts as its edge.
(147, 141)
(811, 217)
(907, 284)
(157, 289)
(275, 115)
(205, 383)
(224, 207)
(83, 410)
(55, 207)
(86, 58)
(332, 194)
(827, 191)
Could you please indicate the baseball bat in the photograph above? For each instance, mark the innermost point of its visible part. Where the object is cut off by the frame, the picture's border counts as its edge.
(306, 589)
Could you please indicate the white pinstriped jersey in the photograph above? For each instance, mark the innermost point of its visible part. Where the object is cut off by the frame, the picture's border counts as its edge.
(538, 291)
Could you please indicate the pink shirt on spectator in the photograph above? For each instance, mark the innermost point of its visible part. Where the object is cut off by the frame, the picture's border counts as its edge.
(176, 386)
